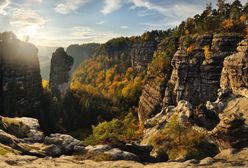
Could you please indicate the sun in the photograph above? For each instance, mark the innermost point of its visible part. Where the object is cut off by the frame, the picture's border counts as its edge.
(31, 30)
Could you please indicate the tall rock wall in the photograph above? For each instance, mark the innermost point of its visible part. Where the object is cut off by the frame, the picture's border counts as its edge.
(153, 91)
(61, 64)
(235, 71)
(141, 53)
(193, 78)
(20, 77)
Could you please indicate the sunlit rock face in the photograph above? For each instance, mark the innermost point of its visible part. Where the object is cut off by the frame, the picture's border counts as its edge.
(61, 64)
(193, 79)
(20, 77)
(235, 72)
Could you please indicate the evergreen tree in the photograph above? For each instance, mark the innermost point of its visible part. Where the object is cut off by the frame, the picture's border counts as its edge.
(236, 9)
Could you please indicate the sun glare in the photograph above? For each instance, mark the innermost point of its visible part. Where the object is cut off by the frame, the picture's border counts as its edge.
(31, 30)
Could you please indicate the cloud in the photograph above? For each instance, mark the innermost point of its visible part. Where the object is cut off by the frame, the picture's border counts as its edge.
(69, 5)
(3, 5)
(124, 27)
(101, 22)
(26, 21)
(87, 34)
(110, 6)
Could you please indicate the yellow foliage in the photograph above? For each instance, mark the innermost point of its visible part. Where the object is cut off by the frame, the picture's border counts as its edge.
(207, 52)
(228, 24)
(186, 32)
(45, 84)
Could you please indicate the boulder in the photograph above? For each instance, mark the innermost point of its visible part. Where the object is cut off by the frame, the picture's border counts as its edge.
(25, 128)
(59, 144)
(109, 152)
(231, 132)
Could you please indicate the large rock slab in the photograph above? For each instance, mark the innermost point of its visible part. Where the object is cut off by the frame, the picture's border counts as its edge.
(25, 128)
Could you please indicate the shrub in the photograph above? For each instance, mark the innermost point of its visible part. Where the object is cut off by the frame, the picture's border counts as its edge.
(176, 139)
(114, 131)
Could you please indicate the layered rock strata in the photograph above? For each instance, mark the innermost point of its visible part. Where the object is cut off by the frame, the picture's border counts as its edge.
(195, 78)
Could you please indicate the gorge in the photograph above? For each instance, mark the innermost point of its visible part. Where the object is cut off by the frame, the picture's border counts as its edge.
(167, 98)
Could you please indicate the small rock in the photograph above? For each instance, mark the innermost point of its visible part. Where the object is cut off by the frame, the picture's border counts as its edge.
(207, 161)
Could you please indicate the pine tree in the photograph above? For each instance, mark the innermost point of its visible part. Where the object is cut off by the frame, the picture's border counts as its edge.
(221, 6)
(236, 9)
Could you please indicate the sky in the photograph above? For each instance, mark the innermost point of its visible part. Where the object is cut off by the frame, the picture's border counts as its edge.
(64, 22)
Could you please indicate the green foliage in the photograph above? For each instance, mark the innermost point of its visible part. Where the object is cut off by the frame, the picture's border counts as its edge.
(176, 139)
(114, 131)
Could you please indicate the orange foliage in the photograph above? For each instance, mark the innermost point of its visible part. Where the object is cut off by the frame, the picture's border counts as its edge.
(246, 32)
(242, 19)
(228, 24)
(190, 49)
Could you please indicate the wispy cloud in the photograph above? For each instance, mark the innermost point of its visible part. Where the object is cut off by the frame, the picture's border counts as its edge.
(3, 5)
(124, 27)
(26, 21)
(101, 22)
(110, 6)
(87, 34)
(69, 5)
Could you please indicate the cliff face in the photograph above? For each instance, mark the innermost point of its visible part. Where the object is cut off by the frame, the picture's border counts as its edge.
(141, 53)
(61, 64)
(20, 77)
(194, 78)
(81, 52)
(235, 72)
(153, 91)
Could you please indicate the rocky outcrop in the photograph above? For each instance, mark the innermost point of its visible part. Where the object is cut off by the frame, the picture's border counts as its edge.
(20, 77)
(61, 64)
(235, 72)
(236, 159)
(194, 78)
(151, 99)
(26, 128)
(231, 132)
(141, 53)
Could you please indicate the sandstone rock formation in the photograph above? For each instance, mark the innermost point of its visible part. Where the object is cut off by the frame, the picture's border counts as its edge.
(231, 132)
(141, 53)
(151, 99)
(235, 72)
(26, 128)
(192, 79)
(61, 64)
(20, 77)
